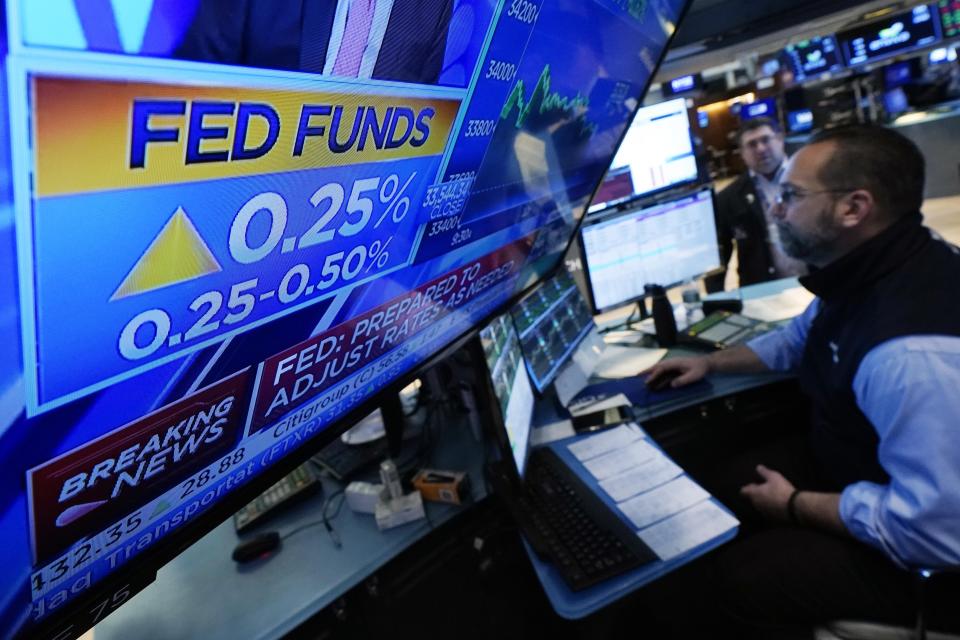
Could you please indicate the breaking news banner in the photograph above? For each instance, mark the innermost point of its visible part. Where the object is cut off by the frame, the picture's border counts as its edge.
(85, 490)
(208, 209)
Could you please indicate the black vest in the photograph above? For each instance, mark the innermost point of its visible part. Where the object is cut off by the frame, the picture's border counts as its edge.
(902, 282)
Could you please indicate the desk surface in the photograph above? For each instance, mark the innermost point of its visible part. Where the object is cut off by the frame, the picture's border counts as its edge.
(204, 594)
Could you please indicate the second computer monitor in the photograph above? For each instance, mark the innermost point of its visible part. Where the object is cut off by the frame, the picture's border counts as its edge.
(665, 244)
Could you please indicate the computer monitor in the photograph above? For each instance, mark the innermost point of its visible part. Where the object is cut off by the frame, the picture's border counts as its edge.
(227, 235)
(812, 57)
(656, 154)
(949, 17)
(911, 29)
(800, 121)
(683, 84)
(898, 74)
(765, 108)
(664, 244)
(551, 321)
(511, 384)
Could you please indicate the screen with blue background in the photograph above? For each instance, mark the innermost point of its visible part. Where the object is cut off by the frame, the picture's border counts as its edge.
(225, 226)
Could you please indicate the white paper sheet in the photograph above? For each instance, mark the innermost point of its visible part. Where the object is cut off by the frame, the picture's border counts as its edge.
(688, 529)
(648, 475)
(665, 500)
(622, 362)
(619, 460)
(786, 304)
(605, 441)
(550, 432)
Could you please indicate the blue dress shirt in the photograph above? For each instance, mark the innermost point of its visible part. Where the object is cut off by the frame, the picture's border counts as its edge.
(909, 389)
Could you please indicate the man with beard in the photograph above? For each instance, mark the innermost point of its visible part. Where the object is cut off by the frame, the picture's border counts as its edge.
(744, 210)
(878, 353)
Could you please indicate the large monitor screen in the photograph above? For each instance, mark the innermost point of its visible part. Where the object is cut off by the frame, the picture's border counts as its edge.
(812, 57)
(916, 27)
(656, 154)
(664, 244)
(230, 225)
(508, 373)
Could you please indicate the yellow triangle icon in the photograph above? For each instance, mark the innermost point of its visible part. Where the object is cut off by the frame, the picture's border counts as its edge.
(177, 254)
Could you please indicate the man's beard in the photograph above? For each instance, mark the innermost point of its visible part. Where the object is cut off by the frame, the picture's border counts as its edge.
(810, 246)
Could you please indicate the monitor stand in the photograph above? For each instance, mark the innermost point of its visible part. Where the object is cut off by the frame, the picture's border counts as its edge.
(643, 313)
(393, 422)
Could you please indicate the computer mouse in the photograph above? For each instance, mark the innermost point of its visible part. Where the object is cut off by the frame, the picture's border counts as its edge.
(256, 546)
(662, 381)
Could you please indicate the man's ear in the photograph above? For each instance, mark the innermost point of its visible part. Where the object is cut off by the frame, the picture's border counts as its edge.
(856, 208)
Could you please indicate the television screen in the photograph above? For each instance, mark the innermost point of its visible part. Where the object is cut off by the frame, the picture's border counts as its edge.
(799, 121)
(949, 17)
(917, 27)
(765, 108)
(664, 244)
(683, 84)
(900, 73)
(231, 226)
(656, 154)
(812, 57)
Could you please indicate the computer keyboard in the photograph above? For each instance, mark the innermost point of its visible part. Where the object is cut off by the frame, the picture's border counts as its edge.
(573, 528)
(298, 484)
(343, 461)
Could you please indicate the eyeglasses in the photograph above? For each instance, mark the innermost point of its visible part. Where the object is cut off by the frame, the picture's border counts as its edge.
(789, 195)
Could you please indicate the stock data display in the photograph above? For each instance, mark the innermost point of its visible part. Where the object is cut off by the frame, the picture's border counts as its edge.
(664, 244)
(917, 27)
(501, 346)
(225, 230)
(551, 321)
(813, 57)
(949, 11)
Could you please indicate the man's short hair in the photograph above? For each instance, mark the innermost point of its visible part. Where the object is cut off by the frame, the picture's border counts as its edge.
(882, 161)
(753, 124)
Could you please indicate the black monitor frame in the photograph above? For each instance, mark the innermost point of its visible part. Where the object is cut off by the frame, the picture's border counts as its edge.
(619, 213)
(80, 614)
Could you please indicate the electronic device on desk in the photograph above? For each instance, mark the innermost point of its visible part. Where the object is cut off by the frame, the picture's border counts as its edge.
(564, 521)
(278, 331)
(551, 322)
(656, 154)
(665, 243)
(360, 448)
(302, 483)
(722, 329)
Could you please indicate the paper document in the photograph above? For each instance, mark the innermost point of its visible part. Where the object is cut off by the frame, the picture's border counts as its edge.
(687, 529)
(782, 306)
(596, 445)
(620, 362)
(644, 477)
(617, 461)
(665, 500)
(550, 432)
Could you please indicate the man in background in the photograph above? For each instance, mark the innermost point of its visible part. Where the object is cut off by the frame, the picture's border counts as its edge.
(744, 210)
(374, 39)
(876, 488)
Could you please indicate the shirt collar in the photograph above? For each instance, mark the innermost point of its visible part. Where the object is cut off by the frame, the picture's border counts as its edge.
(870, 261)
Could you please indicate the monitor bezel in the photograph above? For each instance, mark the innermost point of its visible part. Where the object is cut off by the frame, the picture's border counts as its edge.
(164, 551)
(630, 211)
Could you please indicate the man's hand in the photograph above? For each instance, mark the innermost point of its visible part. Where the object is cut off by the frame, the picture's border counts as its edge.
(686, 370)
(770, 496)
